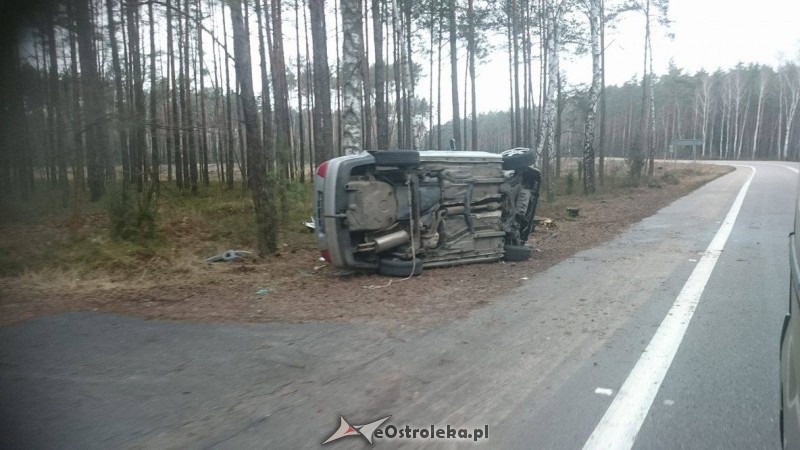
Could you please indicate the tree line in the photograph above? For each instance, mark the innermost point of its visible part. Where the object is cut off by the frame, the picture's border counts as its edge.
(100, 92)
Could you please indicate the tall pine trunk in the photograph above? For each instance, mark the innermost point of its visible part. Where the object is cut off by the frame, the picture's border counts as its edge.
(93, 100)
(280, 89)
(454, 74)
(323, 121)
(155, 160)
(188, 116)
(381, 115)
(202, 87)
(266, 226)
(474, 133)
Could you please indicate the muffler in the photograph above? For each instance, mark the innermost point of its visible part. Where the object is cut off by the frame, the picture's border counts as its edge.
(391, 240)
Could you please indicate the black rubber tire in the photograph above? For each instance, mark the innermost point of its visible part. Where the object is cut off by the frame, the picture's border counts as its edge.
(518, 158)
(393, 267)
(517, 253)
(399, 158)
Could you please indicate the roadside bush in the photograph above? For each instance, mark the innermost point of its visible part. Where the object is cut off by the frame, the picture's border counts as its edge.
(669, 177)
(132, 214)
(570, 180)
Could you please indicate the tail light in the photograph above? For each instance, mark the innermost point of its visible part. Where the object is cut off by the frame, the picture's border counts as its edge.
(322, 169)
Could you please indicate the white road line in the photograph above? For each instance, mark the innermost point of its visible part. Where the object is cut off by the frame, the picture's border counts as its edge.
(623, 419)
(777, 165)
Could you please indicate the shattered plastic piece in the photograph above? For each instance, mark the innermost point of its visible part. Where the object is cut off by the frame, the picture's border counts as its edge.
(230, 255)
(311, 225)
(545, 222)
(262, 291)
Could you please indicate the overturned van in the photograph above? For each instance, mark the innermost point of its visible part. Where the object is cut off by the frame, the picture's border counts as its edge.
(399, 211)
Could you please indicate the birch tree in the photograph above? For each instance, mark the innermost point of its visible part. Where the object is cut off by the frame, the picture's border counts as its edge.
(790, 77)
(763, 79)
(352, 54)
(553, 14)
(593, 7)
(705, 101)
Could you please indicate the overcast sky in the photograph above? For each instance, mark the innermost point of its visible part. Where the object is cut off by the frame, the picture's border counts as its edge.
(708, 34)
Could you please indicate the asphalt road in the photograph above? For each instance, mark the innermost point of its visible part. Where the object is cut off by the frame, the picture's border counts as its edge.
(540, 367)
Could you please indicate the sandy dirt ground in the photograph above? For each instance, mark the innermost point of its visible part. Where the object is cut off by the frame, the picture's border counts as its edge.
(295, 286)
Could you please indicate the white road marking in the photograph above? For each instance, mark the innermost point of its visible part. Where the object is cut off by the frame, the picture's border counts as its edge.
(623, 419)
(780, 165)
(604, 391)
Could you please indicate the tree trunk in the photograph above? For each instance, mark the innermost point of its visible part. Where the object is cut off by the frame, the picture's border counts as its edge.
(511, 111)
(515, 45)
(588, 138)
(118, 93)
(474, 134)
(706, 90)
(651, 142)
(283, 137)
(267, 230)
(439, 84)
(93, 99)
(203, 128)
(56, 114)
(338, 82)
(154, 159)
(300, 121)
(192, 141)
(323, 121)
(454, 74)
(409, 80)
(430, 72)
(601, 164)
(553, 14)
(637, 156)
(266, 103)
(367, 124)
(381, 115)
(176, 113)
(228, 109)
(352, 54)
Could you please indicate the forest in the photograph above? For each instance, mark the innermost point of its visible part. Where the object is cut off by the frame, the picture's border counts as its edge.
(115, 98)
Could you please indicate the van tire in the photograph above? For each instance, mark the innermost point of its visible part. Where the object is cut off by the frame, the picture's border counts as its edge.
(399, 158)
(518, 158)
(517, 253)
(394, 267)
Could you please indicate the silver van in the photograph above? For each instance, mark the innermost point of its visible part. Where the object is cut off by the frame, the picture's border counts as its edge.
(399, 211)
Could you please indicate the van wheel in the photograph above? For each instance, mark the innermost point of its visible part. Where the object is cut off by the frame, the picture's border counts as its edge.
(517, 158)
(394, 267)
(517, 253)
(399, 158)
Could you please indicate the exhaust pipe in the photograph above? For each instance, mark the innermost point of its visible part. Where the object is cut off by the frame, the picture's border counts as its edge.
(391, 240)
